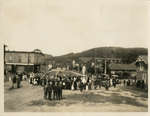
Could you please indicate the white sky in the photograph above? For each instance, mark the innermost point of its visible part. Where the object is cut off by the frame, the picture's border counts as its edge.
(61, 26)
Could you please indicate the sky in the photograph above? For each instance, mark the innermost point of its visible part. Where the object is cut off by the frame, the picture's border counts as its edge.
(59, 27)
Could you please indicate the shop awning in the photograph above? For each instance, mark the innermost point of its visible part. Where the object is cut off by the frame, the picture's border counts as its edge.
(25, 64)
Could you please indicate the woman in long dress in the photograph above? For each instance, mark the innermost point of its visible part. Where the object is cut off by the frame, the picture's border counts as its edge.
(87, 86)
(72, 86)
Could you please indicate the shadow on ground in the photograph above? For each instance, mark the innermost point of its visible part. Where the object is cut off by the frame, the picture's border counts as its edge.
(90, 98)
(136, 92)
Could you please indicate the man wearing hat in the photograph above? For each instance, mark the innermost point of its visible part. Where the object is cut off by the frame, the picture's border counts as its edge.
(18, 79)
(46, 90)
(60, 90)
(50, 89)
(55, 91)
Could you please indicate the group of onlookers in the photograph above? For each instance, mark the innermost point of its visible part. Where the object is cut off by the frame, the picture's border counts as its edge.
(35, 78)
(16, 80)
(17, 77)
(140, 84)
(53, 90)
(87, 82)
(133, 82)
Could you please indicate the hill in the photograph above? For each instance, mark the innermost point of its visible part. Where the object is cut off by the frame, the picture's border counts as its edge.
(128, 55)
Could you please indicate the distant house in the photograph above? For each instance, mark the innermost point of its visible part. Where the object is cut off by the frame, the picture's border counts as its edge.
(100, 60)
(99, 63)
(109, 60)
(122, 69)
(85, 59)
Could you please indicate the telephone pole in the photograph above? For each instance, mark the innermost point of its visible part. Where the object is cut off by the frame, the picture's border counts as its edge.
(105, 70)
(5, 53)
(4, 57)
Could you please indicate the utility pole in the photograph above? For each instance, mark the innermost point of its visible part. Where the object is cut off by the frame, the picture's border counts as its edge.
(105, 70)
(94, 61)
(4, 53)
(4, 57)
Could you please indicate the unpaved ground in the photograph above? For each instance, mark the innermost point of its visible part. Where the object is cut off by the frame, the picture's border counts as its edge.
(30, 99)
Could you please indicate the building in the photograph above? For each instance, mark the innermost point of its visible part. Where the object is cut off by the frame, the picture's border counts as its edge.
(100, 60)
(85, 59)
(100, 64)
(123, 70)
(138, 69)
(142, 68)
(109, 60)
(23, 61)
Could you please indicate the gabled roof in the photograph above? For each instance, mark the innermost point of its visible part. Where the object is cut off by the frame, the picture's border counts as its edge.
(24, 52)
(143, 58)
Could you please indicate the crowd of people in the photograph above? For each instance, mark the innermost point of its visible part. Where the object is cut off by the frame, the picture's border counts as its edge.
(53, 85)
(53, 90)
(16, 81)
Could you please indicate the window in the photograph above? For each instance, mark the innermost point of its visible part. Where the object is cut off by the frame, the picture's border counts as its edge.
(10, 58)
(19, 59)
(29, 59)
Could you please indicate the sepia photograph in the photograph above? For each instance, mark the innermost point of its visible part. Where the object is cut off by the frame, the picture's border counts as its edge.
(74, 55)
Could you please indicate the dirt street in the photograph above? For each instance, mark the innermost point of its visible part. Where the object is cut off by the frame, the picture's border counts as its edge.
(29, 98)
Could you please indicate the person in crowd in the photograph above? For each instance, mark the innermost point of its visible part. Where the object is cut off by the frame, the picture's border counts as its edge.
(10, 77)
(138, 83)
(72, 84)
(84, 83)
(107, 85)
(100, 83)
(135, 80)
(31, 78)
(50, 89)
(60, 90)
(81, 86)
(75, 85)
(18, 80)
(14, 80)
(55, 91)
(63, 84)
(46, 90)
(128, 82)
(90, 84)
(78, 83)
(95, 84)
(124, 82)
(111, 83)
(69, 84)
(20, 76)
(114, 82)
(142, 84)
(87, 86)
(34, 81)
(44, 81)
(38, 79)
(24, 77)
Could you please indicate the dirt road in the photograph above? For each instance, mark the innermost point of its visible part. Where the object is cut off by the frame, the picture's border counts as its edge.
(30, 99)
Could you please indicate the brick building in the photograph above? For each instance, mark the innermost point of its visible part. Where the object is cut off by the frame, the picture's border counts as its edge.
(23, 61)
